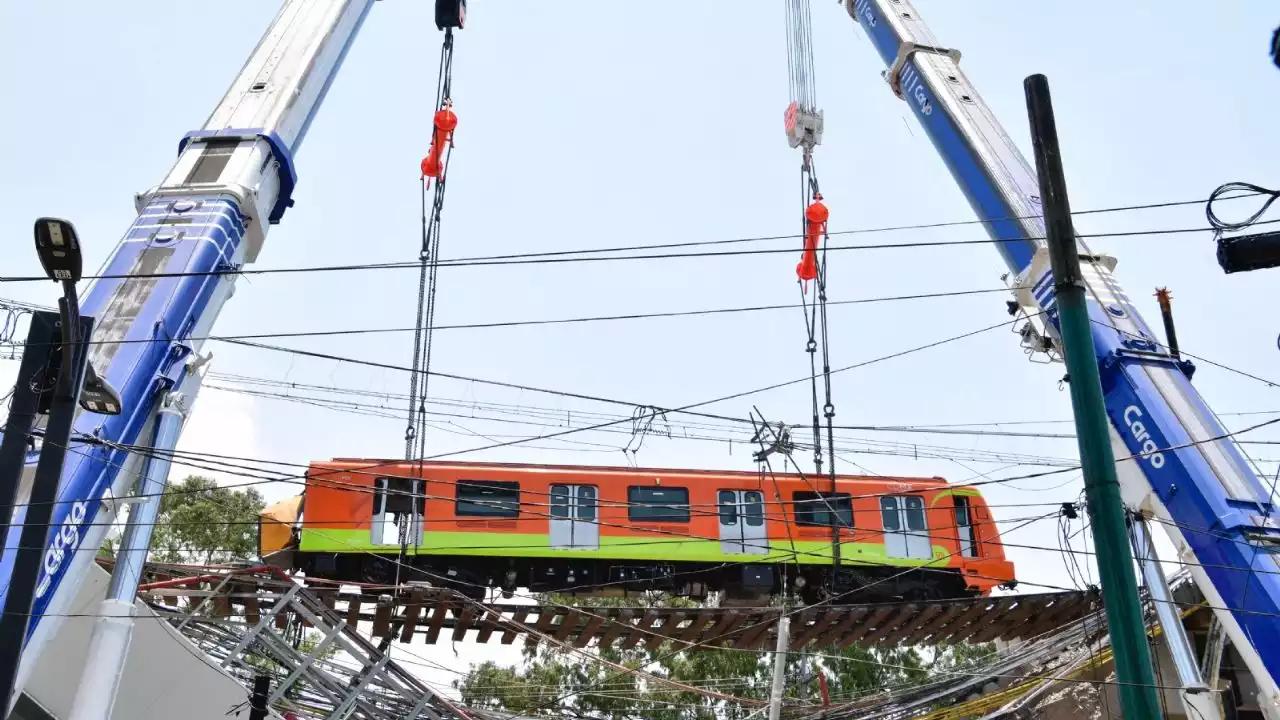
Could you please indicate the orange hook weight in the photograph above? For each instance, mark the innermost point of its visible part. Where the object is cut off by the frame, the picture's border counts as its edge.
(815, 224)
(445, 123)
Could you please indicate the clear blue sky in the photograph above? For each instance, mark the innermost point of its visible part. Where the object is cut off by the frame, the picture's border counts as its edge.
(621, 123)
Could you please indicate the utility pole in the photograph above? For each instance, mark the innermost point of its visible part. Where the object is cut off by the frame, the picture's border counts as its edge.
(780, 665)
(1138, 697)
(42, 338)
(44, 493)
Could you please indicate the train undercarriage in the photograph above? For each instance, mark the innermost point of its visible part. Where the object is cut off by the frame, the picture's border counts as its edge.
(742, 584)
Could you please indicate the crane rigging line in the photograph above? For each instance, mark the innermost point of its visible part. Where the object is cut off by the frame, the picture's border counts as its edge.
(803, 125)
(434, 166)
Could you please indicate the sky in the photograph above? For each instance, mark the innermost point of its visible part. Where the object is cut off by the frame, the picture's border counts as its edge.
(616, 124)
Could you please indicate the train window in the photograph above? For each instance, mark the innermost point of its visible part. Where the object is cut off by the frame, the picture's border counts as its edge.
(913, 508)
(905, 531)
(658, 504)
(728, 502)
(586, 502)
(488, 498)
(902, 513)
(889, 514)
(753, 508)
(813, 508)
(964, 528)
(559, 501)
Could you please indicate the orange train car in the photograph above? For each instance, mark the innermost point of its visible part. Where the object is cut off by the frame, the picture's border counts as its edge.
(608, 530)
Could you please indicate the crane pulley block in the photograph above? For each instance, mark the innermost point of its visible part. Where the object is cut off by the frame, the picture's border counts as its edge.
(804, 126)
(451, 14)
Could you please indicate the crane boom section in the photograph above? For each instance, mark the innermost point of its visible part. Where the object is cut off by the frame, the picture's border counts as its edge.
(167, 280)
(1191, 471)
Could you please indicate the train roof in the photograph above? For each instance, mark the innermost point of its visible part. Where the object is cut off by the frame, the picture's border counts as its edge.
(376, 463)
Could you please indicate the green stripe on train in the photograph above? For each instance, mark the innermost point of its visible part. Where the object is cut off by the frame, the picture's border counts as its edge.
(809, 552)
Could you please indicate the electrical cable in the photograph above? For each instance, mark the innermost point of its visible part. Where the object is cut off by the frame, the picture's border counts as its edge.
(550, 321)
(365, 468)
(537, 411)
(578, 256)
(681, 409)
(1218, 224)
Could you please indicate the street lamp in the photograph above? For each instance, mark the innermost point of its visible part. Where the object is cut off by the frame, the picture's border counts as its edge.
(59, 250)
(58, 247)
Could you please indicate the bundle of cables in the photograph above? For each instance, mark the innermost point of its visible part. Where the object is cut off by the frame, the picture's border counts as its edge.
(1241, 253)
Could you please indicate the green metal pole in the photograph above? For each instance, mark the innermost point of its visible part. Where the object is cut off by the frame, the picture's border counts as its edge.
(1138, 694)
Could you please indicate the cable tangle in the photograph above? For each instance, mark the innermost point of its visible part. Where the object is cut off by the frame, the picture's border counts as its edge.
(642, 420)
(1235, 190)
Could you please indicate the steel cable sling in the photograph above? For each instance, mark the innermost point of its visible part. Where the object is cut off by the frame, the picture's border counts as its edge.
(434, 165)
(803, 123)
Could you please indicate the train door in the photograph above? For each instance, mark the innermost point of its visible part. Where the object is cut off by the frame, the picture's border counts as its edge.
(397, 501)
(574, 521)
(905, 533)
(742, 528)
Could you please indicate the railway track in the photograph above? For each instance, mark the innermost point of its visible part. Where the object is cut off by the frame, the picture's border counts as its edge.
(428, 615)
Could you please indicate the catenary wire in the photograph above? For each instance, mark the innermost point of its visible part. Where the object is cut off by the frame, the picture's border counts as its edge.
(549, 321)
(565, 257)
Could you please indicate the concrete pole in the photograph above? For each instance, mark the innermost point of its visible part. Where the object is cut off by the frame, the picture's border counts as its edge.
(780, 667)
(1138, 695)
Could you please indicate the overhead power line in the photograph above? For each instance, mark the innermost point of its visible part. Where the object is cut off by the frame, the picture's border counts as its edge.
(564, 321)
(601, 255)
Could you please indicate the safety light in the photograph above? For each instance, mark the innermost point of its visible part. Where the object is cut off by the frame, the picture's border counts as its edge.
(59, 249)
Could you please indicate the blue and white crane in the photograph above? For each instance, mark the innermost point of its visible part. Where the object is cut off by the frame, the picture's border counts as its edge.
(1180, 464)
(164, 287)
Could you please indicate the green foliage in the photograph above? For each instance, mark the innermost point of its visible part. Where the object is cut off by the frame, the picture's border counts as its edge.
(555, 682)
(200, 522)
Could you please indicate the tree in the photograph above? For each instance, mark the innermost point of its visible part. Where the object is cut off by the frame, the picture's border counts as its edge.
(554, 682)
(200, 522)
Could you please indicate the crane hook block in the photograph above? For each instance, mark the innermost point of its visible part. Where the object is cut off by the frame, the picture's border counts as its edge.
(815, 224)
(450, 13)
(445, 123)
(803, 126)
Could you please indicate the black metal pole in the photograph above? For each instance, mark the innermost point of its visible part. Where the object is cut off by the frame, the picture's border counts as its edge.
(258, 703)
(1166, 314)
(1138, 698)
(42, 337)
(44, 493)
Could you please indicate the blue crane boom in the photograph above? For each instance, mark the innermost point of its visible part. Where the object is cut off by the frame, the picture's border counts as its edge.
(166, 282)
(1181, 464)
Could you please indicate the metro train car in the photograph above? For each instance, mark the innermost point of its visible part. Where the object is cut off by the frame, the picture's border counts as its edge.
(614, 531)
